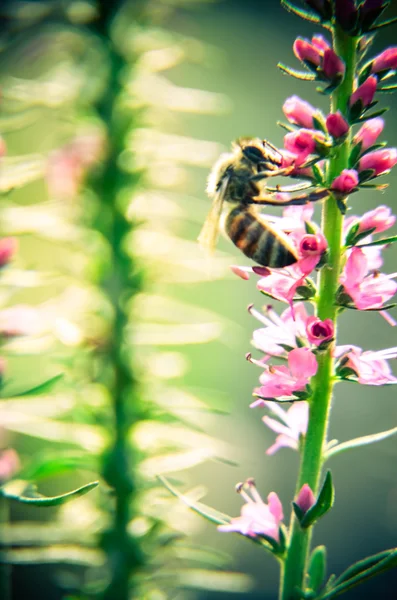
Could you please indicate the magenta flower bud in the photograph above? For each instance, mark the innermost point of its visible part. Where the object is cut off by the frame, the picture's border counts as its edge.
(8, 247)
(337, 126)
(365, 93)
(346, 14)
(312, 244)
(305, 499)
(386, 61)
(369, 133)
(319, 331)
(346, 182)
(381, 161)
(306, 52)
(320, 43)
(333, 66)
(302, 143)
(299, 112)
(380, 219)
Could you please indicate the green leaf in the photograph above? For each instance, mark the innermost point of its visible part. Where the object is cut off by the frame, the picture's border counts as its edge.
(317, 568)
(303, 75)
(366, 174)
(365, 73)
(50, 501)
(360, 441)
(361, 571)
(318, 174)
(353, 240)
(300, 12)
(388, 88)
(324, 502)
(41, 388)
(354, 155)
(377, 113)
(48, 465)
(351, 234)
(65, 553)
(382, 242)
(384, 24)
(202, 509)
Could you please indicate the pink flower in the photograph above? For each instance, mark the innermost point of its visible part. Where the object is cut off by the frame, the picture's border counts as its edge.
(320, 42)
(9, 464)
(301, 143)
(371, 368)
(337, 126)
(281, 382)
(279, 331)
(380, 161)
(333, 66)
(19, 320)
(380, 219)
(282, 284)
(367, 290)
(385, 61)
(292, 425)
(257, 517)
(369, 133)
(346, 182)
(307, 52)
(3, 147)
(365, 93)
(299, 112)
(319, 331)
(305, 499)
(311, 247)
(8, 247)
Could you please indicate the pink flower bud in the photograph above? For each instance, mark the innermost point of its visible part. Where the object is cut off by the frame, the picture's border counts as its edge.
(9, 464)
(381, 161)
(385, 61)
(306, 52)
(305, 499)
(380, 219)
(336, 125)
(8, 247)
(312, 244)
(365, 92)
(346, 182)
(302, 143)
(333, 66)
(299, 112)
(369, 133)
(319, 331)
(346, 14)
(320, 43)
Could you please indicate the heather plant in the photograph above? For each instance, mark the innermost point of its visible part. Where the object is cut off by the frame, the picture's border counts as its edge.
(334, 155)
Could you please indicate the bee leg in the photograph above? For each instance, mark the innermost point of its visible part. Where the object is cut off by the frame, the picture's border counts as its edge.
(272, 173)
(287, 189)
(269, 199)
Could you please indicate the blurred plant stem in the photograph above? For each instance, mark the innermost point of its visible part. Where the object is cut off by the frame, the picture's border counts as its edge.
(292, 579)
(5, 570)
(124, 555)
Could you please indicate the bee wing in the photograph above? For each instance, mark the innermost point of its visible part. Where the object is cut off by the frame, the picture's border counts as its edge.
(210, 232)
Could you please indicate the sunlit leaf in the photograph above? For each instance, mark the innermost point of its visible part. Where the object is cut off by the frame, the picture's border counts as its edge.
(222, 581)
(360, 441)
(74, 555)
(52, 500)
(16, 172)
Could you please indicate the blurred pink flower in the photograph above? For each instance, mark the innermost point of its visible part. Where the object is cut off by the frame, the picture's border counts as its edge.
(280, 381)
(19, 320)
(380, 219)
(380, 161)
(9, 464)
(257, 517)
(385, 61)
(369, 133)
(365, 92)
(337, 126)
(371, 368)
(283, 329)
(292, 425)
(366, 289)
(282, 284)
(346, 182)
(8, 247)
(299, 112)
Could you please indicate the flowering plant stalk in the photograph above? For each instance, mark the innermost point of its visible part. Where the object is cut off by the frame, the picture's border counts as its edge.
(337, 269)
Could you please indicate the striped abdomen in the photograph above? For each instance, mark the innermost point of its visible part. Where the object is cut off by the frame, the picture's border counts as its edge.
(259, 240)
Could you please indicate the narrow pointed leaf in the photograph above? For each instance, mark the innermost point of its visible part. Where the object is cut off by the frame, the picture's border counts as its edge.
(41, 388)
(324, 502)
(388, 88)
(377, 113)
(317, 568)
(361, 571)
(384, 24)
(295, 73)
(382, 242)
(202, 509)
(51, 500)
(300, 12)
(360, 441)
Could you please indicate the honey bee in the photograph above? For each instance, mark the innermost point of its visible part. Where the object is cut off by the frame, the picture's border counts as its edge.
(237, 178)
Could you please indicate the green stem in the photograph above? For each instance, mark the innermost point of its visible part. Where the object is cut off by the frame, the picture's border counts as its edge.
(123, 551)
(293, 575)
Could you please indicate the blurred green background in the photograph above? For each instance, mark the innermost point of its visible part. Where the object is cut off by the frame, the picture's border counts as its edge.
(248, 38)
